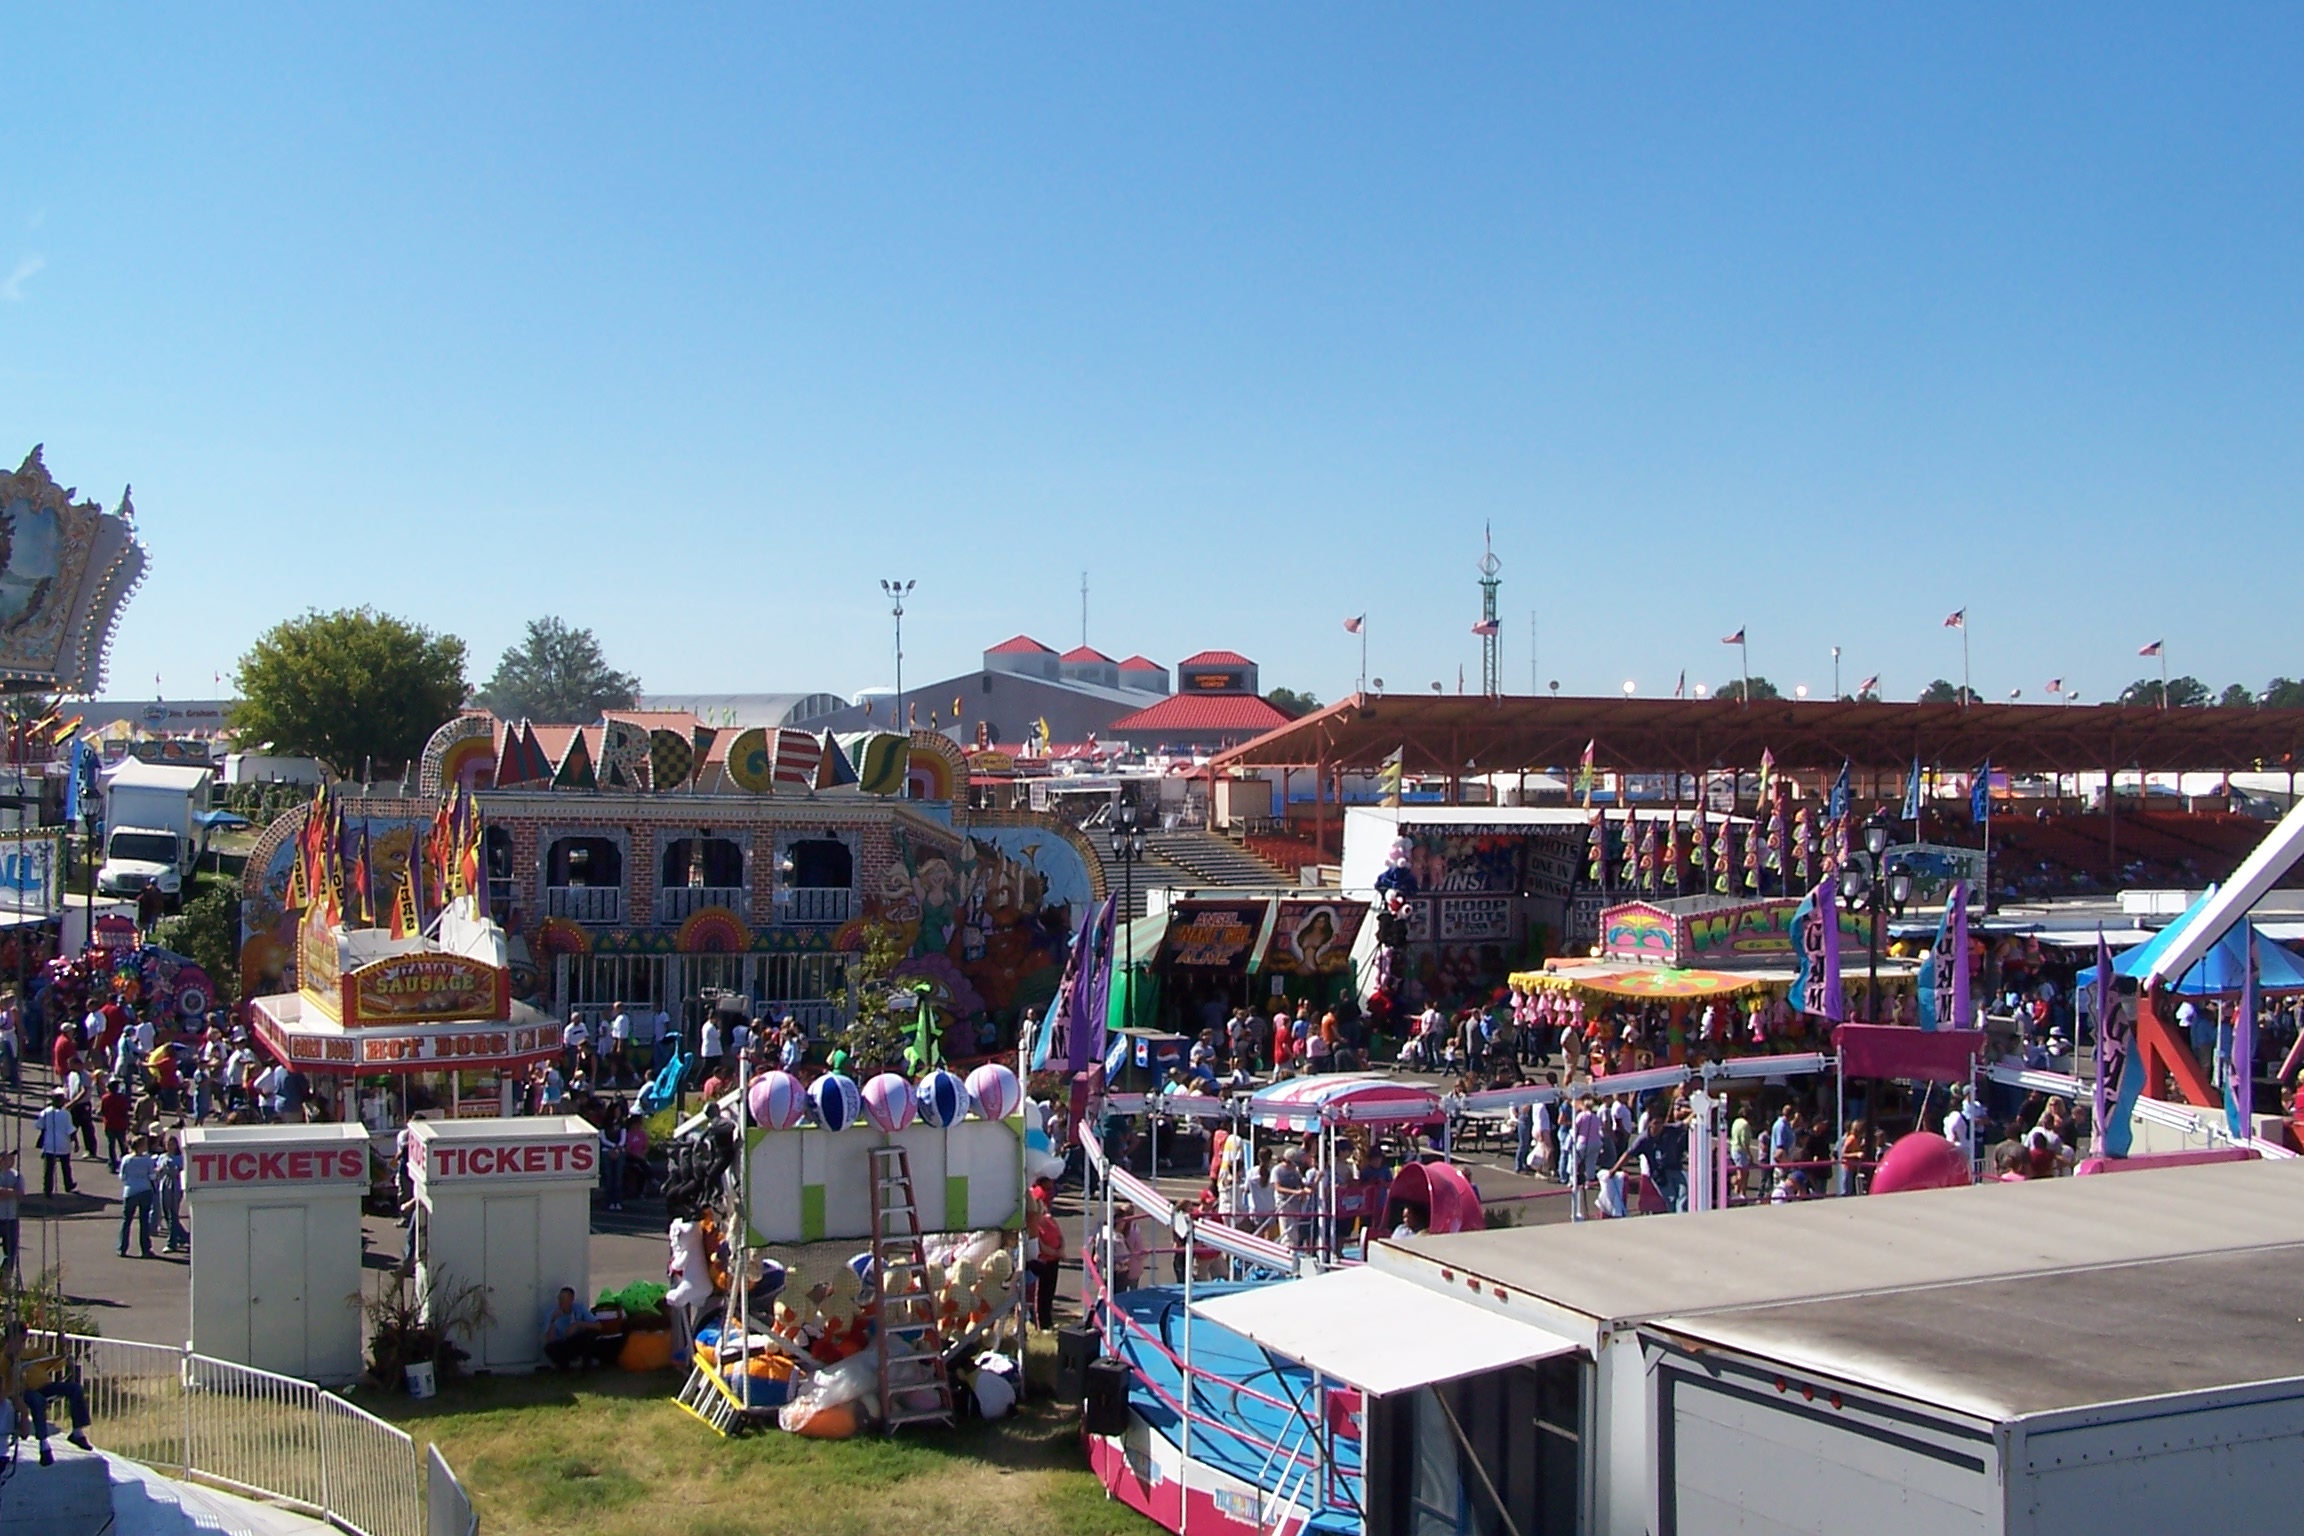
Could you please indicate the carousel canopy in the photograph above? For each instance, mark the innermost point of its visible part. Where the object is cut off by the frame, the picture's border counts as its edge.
(1338, 1098)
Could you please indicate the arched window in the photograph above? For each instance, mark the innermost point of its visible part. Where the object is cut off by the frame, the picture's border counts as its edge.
(584, 861)
(822, 863)
(702, 861)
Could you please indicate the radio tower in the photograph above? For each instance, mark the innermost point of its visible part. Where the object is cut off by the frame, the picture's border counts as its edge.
(1491, 631)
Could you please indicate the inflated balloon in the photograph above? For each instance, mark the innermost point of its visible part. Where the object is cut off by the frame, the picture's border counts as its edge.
(943, 1099)
(995, 1090)
(836, 1099)
(777, 1101)
(888, 1100)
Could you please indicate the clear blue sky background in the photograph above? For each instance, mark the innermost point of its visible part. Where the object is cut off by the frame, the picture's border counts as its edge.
(689, 325)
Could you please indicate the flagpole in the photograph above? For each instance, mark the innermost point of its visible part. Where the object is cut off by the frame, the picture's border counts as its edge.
(1965, 690)
(1363, 653)
(1744, 661)
(2164, 678)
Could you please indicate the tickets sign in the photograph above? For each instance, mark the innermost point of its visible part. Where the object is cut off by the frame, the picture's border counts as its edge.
(427, 988)
(443, 1162)
(223, 1168)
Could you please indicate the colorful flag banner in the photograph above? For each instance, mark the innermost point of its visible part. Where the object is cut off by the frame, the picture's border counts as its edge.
(2119, 1077)
(1816, 940)
(1944, 972)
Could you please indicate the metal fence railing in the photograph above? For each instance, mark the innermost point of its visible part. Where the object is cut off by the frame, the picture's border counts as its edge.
(267, 1435)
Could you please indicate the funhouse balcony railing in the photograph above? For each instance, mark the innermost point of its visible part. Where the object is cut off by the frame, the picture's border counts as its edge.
(602, 904)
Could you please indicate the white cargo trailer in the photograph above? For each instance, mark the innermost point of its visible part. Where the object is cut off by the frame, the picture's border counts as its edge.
(1609, 1287)
(2159, 1396)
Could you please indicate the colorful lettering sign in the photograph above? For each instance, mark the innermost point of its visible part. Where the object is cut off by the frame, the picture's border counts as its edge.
(1213, 936)
(427, 988)
(409, 1050)
(220, 1168)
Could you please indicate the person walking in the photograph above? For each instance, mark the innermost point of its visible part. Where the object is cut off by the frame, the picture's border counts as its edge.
(168, 1177)
(55, 1132)
(137, 1196)
(11, 1207)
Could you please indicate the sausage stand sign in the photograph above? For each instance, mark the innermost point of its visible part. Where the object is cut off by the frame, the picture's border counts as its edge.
(429, 988)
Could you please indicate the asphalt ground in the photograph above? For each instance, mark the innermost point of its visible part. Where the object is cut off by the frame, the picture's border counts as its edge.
(150, 1299)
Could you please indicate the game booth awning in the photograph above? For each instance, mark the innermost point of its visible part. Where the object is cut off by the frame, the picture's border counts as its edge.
(2221, 971)
(1342, 1098)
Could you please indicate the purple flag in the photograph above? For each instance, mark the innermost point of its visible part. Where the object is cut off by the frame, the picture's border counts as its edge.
(2103, 1099)
(1957, 920)
(1093, 992)
(1944, 1000)
(1816, 937)
(2240, 1072)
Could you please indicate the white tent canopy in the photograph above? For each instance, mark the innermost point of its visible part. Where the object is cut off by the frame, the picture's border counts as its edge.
(1377, 1332)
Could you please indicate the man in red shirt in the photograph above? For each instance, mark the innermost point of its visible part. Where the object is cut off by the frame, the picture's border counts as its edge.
(62, 1054)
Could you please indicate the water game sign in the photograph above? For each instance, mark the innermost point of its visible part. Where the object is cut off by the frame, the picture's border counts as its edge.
(1213, 935)
(426, 988)
(1688, 934)
(811, 1185)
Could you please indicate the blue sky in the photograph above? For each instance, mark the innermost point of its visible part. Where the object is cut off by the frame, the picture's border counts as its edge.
(688, 325)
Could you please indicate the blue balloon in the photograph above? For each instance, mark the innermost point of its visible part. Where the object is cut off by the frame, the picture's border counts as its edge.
(943, 1099)
(837, 1099)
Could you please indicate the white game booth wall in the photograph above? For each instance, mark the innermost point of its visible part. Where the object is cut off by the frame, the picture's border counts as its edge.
(276, 1276)
(506, 1205)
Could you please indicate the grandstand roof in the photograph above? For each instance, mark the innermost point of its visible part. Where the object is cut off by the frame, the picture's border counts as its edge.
(1084, 653)
(1020, 645)
(1216, 659)
(1458, 733)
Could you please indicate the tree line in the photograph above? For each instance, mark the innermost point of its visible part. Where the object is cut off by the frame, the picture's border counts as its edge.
(362, 691)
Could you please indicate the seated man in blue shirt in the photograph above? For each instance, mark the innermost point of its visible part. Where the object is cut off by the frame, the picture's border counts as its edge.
(572, 1334)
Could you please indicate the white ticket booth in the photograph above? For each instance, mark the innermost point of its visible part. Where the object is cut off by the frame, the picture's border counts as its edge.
(276, 1260)
(507, 1205)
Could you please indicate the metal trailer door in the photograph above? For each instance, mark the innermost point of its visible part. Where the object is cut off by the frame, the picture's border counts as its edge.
(1744, 1450)
(2223, 1460)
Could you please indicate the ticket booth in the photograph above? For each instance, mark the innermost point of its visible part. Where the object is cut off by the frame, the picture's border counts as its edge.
(276, 1270)
(507, 1205)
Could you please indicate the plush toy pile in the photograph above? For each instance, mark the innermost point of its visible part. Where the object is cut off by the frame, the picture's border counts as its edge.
(818, 1357)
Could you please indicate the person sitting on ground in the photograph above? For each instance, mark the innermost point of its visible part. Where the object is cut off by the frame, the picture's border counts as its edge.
(571, 1333)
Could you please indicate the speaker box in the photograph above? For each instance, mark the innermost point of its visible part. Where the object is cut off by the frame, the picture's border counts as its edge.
(1107, 1407)
(1075, 1347)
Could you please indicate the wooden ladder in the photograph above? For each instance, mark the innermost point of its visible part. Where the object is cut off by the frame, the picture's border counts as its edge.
(911, 1363)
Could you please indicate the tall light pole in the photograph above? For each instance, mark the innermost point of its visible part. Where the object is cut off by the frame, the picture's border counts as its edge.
(1868, 888)
(897, 591)
(1127, 848)
(1835, 674)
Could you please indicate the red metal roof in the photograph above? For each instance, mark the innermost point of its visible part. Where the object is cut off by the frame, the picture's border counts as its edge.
(1085, 653)
(1141, 664)
(1200, 714)
(1217, 659)
(1020, 645)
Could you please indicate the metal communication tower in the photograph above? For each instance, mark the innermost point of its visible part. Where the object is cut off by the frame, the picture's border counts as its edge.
(1491, 629)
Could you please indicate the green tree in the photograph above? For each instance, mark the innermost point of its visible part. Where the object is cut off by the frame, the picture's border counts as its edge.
(357, 689)
(1291, 703)
(877, 1030)
(2183, 693)
(1944, 691)
(203, 932)
(1761, 689)
(2283, 693)
(2237, 696)
(557, 675)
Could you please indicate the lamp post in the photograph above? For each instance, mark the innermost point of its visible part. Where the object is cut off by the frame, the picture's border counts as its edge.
(1127, 848)
(898, 591)
(1868, 887)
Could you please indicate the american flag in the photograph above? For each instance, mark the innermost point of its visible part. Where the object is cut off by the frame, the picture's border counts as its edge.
(2150, 650)
(1868, 685)
(1734, 639)
(1486, 627)
(1352, 626)
(1957, 619)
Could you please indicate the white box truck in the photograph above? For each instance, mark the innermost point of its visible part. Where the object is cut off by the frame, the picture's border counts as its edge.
(150, 837)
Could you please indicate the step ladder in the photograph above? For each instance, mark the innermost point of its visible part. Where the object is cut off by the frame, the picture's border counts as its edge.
(913, 1386)
(708, 1398)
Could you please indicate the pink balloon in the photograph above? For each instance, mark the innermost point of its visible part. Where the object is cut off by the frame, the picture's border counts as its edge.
(777, 1101)
(995, 1090)
(1921, 1161)
(889, 1101)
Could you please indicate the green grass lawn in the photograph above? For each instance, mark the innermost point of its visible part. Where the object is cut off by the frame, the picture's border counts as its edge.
(609, 1454)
